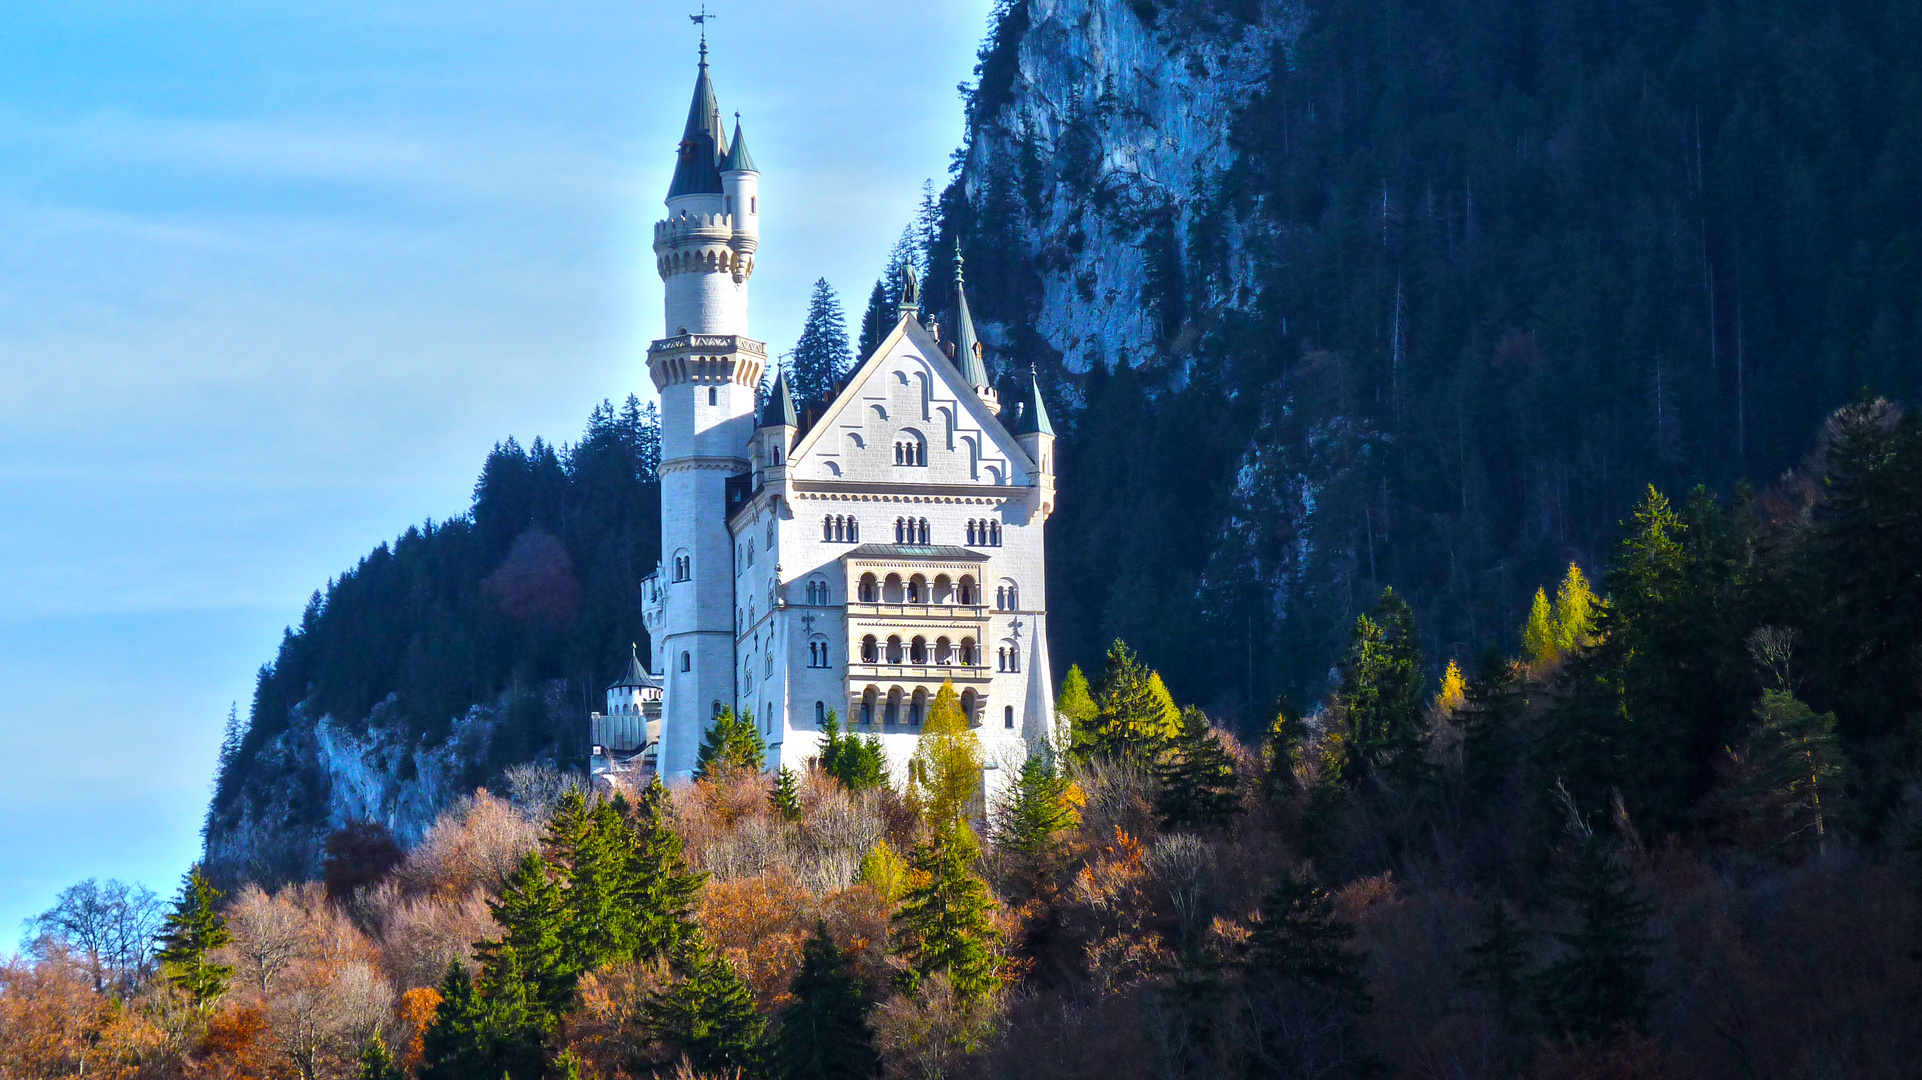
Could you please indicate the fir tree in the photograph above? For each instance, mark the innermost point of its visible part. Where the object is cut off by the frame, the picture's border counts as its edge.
(1135, 715)
(1199, 785)
(515, 1020)
(786, 796)
(1381, 693)
(1496, 966)
(191, 933)
(1795, 770)
(947, 762)
(664, 897)
(858, 763)
(1029, 825)
(1300, 940)
(944, 922)
(1601, 985)
(457, 1045)
(1489, 745)
(1282, 749)
(376, 1063)
(731, 743)
(605, 919)
(707, 1013)
(824, 1034)
(821, 358)
(533, 916)
(878, 320)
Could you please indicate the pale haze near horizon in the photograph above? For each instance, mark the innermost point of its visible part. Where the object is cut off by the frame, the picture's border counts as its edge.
(275, 277)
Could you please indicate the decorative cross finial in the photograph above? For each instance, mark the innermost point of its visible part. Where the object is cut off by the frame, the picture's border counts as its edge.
(957, 262)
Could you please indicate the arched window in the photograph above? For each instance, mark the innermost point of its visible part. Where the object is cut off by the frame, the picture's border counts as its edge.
(1007, 717)
(1014, 598)
(1001, 598)
(970, 532)
(900, 530)
(767, 669)
(683, 566)
(918, 651)
(1000, 659)
(967, 652)
(687, 662)
(717, 708)
(924, 531)
(967, 706)
(868, 591)
(827, 527)
(943, 651)
(917, 590)
(892, 590)
(894, 648)
(713, 395)
(868, 701)
(964, 592)
(994, 533)
(820, 712)
(870, 650)
(918, 709)
(894, 707)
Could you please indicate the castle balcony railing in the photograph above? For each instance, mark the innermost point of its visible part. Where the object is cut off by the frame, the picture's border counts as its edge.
(917, 612)
(710, 342)
(930, 675)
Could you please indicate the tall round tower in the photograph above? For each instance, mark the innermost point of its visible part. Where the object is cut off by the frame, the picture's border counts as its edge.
(706, 370)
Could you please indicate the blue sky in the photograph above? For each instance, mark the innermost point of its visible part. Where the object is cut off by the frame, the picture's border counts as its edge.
(273, 278)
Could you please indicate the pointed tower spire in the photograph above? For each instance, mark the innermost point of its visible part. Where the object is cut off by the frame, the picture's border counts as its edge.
(703, 142)
(779, 411)
(967, 347)
(1033, 418)
(738, 159)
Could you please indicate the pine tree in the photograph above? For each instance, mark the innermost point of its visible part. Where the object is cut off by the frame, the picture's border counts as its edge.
(824, 1034)
(533, 916)
(1381, 691)
(947, 762)
(1496, 964)
(731, 743)
(1300, 940)
(821, 358)
(515, 1021)
(664, 899)
(1489, 745)
(1028, 826)
(1795, 770)
(786, 796)
(858, 763)
(1601, 985)
(457, 1045)
(192, 931)
(877, 321)
(944, 922)
(1135, 715)
(376, 1063)
(604, 918)
(1199, 785)
(707, 1013)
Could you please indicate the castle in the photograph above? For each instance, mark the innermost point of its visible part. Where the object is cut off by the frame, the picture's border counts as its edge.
(849, 565)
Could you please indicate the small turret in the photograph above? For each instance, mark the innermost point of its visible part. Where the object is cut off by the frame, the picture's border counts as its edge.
(774, 432)
(741, 201)
(1035, 432)
(968, 351)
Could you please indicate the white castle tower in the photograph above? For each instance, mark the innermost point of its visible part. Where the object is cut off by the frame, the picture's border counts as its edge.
(706, 369)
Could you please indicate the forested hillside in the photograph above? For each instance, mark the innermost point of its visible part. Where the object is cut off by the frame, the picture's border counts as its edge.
(467, 646)
(1461, 279)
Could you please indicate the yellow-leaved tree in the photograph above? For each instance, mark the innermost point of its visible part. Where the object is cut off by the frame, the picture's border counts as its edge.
(1454, 689)
(1539, 637)
(945, 772)
(1553, 632)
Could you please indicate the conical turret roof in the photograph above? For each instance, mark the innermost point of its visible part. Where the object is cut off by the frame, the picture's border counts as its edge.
(1033, 419)
(703, 143)
(636, 675)
(738, 159)
(967, 347)
(778, 410)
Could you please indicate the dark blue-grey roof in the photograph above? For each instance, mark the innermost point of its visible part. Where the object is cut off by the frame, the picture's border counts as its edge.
(935, 552)
(703, 143)
(778, 410)
(636, 675)
(738, 159)
(967, 346)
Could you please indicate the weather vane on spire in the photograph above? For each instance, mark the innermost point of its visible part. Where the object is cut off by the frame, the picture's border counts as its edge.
(701, 21)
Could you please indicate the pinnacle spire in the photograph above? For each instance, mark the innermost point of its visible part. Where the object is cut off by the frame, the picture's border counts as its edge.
(703, 141)
(1033, 417)
(738, 159)
(779, 409)
(967, 347)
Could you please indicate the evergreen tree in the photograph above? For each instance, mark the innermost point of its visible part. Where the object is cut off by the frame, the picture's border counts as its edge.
(515, 1020)
(1540, 642)
(1282, 749)
(821, 358)
(533, 916)
(1795, 770)
(944, 922)
(1135, 715)
(824, 1034)
(707, 1013)
(1300, 940)
(1075, 710)
(858, 763)
(1029, 825)
(605, 919)
(1199, 785)
(1601, 985)
(376, 1063)
(1489, 745)
(191, 933)
(664, 897)
(731, 743)
(877, 321)
(947, 762)
(457, 1045)
(1381, 694)
(786, 796)
(1496, 966)
(1575, 609)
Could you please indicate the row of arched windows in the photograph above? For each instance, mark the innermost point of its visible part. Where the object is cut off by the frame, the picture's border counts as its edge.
(840, 529)
(817, 654)
(899, 707)
(915, 590)
(1006, 598)
(683, 567)
(911, 452)
(817, 591)
(911, 531)
(983, 533)
(1010, 660)
(916, 650)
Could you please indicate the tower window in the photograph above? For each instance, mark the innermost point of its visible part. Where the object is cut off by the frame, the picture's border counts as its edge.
(753, 204)
(1007, 717)
(820, 712)
(713, 395)
(687, 662)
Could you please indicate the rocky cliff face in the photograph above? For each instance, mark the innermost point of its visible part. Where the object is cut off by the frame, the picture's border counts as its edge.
(1104, 127)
